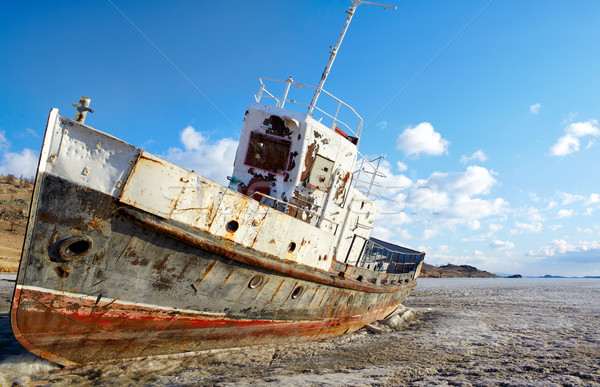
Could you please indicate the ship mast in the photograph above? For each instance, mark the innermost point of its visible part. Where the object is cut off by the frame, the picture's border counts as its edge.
(334, 50)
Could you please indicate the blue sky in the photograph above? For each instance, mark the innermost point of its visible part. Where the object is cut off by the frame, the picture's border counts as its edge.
(492, 150)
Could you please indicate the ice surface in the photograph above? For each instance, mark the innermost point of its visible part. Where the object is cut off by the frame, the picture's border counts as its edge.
(482, 332)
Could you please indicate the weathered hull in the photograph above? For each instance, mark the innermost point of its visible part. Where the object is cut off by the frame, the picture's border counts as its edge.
(145, 286)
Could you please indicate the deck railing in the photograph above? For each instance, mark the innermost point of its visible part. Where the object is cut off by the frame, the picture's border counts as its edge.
(339, 105)
(298, 212)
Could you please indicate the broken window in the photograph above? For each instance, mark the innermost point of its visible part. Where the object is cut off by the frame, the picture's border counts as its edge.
(268, 153)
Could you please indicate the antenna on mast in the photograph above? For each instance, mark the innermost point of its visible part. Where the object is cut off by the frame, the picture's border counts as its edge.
(334, 50)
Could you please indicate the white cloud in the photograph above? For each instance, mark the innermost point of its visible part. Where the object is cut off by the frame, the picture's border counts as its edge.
(494, 228)
(382, 125)
(211, 160)
(570, 198)
(477, 156)
(589, 230)
(502, 245)
(590, 144)
(391, 184)
(565, 145)
(526, 227)
(422, 139)
(570, 142)
(429, 233)
(474, 224)
(582, 252)
(474, 181)
(564, 214)
(4, 143)
(451, 195)
(588, 211)
(398, 235)
(401, 166)
(592, 199)
(32, 133)
(191, 139)
(24, 163)
(534, 197)
(535, 109)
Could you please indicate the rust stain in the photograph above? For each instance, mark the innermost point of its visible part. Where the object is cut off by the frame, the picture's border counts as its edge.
(143, 262)
(159, 266)
(308, 160)
(312, 298)
(339, 193)
(322, 298)
(180, 276)
(142, 157)
(276, 291)
(228, 276)
(208, 270)
(98, 258)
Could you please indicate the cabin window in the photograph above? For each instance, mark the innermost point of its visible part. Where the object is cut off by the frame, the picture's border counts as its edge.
(269, 153)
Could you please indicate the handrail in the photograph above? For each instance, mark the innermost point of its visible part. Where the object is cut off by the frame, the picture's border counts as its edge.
(295, 206)
(371, 179)
(281, 101)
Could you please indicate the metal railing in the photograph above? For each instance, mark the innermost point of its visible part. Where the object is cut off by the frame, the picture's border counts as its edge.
(379, 258)
(336, 121)
(365, 175)
(282, 206)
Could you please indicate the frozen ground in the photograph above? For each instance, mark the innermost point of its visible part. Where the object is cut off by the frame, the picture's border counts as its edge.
(526, 332)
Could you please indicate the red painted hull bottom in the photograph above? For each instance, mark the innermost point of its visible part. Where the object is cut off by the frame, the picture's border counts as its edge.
(72, 329)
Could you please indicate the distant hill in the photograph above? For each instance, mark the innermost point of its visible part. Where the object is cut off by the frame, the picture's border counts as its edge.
(15, 196)
(454, 271)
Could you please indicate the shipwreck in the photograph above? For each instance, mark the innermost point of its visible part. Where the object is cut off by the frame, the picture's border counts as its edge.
(129, 255)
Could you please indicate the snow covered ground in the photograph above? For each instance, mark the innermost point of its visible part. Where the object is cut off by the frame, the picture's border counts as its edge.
(529, 332)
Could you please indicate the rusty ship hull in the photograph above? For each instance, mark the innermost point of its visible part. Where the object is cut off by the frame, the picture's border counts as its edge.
(128, 255)
(153, 287)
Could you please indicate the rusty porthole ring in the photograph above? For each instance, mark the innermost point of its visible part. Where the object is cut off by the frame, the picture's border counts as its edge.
(292, 246)
(297, 292)
(74, 247)
(232, 226)
(255, 282)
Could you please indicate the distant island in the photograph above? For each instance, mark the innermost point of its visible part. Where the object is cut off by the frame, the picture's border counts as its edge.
(454, 271)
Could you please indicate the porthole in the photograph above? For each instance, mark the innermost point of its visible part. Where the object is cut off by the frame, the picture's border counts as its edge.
(297, 292)
(74, 247)
(255, 282)
(232, 226)
(292, 246)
